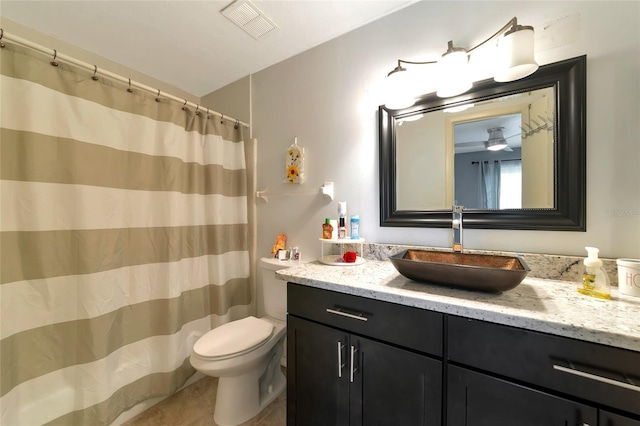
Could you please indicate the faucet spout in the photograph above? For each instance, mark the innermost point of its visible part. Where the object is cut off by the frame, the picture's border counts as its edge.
(456, 224)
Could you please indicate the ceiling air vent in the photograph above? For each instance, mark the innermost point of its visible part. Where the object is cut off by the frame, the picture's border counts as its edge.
(247, 16)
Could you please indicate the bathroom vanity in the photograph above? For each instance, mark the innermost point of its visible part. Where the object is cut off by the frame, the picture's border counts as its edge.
(367, 346)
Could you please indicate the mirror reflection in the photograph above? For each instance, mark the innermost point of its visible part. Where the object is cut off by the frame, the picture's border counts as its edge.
(491, 155)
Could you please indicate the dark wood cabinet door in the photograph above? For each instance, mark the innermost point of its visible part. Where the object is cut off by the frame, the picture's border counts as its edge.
(392, 386)
(610, 419)
(317, 386)
(475, 399)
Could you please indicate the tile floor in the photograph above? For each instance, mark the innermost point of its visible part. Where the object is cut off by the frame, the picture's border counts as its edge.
(193, 406)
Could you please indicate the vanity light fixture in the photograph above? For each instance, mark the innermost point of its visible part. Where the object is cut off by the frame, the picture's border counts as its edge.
(515, 60)
(496, 140)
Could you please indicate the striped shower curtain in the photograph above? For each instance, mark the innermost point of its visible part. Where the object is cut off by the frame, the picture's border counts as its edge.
(124, 237)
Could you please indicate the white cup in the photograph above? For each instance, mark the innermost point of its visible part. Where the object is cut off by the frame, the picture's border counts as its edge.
(629, 276)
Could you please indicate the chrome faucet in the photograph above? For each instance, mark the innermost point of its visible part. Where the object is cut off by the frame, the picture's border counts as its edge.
(456, 224)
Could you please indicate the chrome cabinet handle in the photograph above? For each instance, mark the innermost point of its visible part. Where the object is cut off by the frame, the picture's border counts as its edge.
(353, 358)
(360, 317)
(596, 377)
(340, 364)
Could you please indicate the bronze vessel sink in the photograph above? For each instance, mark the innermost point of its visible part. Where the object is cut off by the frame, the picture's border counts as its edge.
(463, 270)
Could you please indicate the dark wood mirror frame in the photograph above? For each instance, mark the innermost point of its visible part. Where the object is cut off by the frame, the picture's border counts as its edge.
(568, 77)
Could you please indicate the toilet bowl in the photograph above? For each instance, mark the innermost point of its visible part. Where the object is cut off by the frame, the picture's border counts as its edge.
(245, 354)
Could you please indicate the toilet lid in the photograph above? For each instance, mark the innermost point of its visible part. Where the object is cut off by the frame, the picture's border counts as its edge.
(233, 337)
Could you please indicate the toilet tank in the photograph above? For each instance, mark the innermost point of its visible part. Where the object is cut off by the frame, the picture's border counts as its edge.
(274, 291)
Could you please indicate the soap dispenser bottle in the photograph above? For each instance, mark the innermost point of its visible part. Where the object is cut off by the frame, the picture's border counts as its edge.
(595, 281)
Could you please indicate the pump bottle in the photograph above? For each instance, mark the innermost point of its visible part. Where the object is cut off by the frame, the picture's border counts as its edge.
(595, 282)
(342, 213)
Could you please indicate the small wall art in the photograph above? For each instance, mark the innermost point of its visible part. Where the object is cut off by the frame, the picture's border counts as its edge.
(295, 163)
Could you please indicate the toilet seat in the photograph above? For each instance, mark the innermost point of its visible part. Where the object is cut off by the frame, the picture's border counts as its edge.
(233, 339)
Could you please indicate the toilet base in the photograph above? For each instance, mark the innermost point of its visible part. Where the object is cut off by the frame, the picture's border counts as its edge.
(240, 398)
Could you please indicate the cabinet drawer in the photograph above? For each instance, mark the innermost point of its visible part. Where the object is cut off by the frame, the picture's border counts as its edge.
(480, 400)
(597, 373)
(610, 419)
(405, 326)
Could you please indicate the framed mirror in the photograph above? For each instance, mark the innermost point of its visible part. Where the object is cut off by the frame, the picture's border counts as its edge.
(514, 154)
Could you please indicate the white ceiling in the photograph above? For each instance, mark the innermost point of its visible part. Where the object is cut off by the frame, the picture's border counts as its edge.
(190, 44)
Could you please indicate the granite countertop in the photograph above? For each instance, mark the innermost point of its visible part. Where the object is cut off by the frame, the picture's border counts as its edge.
(544, 305)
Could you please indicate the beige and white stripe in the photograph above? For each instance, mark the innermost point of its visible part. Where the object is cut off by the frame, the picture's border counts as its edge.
(42, 206)
(23, 116)
(59, 299)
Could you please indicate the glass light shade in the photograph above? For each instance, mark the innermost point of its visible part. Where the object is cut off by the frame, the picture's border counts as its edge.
(398, 90)
(515, 55)
(496, 140)
(454, 74)
(496, 146)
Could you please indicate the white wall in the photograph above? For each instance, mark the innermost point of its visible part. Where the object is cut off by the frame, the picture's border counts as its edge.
(328, 97)
(233, 100)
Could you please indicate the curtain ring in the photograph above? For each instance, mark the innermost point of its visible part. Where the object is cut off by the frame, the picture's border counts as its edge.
(222, 119)
(95, 71)
(237, 125)
(54, 62)
(129, 89)
(184, 105)
(208, 116)
(1, 35)
(158, 96)
(197, 108)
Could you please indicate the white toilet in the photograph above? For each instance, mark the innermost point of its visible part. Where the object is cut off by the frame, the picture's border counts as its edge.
(245, 354)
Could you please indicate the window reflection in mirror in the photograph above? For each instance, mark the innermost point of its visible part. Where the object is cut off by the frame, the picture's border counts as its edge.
(443, 158)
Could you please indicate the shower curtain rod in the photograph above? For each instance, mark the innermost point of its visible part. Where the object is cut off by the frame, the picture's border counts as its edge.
(59, 56)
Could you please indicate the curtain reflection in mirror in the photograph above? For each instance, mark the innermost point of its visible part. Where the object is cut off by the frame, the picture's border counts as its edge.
(488, 184)
(499, 184)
